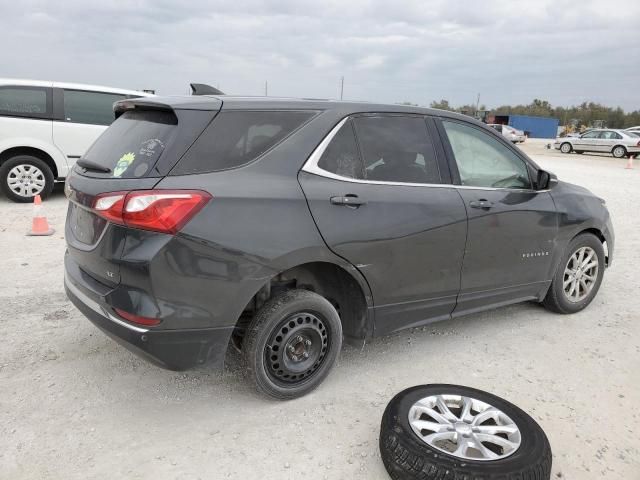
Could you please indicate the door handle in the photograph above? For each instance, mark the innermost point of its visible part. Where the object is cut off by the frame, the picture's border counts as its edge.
(482, 203)
(348, 200)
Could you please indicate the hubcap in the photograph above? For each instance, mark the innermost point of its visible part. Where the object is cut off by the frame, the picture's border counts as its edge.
(619, 152)
(464, 427)
(565, 148)
(296, 348)
(26, 180)
(580, 274)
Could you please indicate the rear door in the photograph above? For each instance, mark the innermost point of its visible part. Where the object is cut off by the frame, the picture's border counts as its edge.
(138, 150)
(607, 140)
(511, 227)
(81, 117)
(382, 203)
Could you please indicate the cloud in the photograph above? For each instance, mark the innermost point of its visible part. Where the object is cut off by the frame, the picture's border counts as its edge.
(415, 51)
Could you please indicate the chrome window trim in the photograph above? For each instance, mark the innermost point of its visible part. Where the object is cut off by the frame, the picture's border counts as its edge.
(311, 166)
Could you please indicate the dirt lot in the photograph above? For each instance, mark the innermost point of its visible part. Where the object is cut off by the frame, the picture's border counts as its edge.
(73, 404)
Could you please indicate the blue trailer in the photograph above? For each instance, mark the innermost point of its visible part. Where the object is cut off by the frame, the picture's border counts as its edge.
(534, 127)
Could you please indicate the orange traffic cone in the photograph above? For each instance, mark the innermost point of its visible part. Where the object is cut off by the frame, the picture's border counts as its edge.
(39, 226)
(630, 162)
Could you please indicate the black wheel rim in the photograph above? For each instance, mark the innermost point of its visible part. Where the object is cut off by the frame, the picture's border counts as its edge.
(297, 348)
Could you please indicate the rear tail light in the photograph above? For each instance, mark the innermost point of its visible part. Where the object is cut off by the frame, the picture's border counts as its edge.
(165, 211)
(130, 317)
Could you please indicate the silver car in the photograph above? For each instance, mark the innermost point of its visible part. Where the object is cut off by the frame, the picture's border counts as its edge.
(512, 134)
(619, 143)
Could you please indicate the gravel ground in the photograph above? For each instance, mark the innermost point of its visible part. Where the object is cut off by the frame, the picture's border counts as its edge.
(74, 404)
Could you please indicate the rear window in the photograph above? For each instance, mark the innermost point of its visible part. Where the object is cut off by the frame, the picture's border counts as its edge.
(236, 138)
(134, 143)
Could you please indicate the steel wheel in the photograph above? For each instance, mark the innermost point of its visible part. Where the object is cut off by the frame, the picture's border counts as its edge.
(296, 348)
(580, 274)
(26, 180)
(464, 427)
(565, 148)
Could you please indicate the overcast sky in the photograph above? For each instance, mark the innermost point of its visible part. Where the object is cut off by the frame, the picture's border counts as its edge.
(389, 51)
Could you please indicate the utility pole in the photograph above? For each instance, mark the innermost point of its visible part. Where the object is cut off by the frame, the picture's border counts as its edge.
(341, 86)
(266, 88)
(477, 105)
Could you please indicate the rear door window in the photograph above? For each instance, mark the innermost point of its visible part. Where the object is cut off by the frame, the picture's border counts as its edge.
(33, 102)
(94, 108)
(236, 138)
(397, 149)
(134, 143)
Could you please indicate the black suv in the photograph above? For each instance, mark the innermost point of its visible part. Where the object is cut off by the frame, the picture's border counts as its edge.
(282, 226)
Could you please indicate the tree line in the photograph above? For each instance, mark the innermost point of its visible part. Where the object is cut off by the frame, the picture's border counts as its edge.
(587, 114)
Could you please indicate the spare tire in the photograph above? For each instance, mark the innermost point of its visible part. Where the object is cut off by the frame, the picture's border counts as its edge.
(451, 432)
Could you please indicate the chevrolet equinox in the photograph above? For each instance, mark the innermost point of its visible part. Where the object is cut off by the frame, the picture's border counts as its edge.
(281, 227)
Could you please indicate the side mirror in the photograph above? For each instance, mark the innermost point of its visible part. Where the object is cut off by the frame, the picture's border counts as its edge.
(546, 180)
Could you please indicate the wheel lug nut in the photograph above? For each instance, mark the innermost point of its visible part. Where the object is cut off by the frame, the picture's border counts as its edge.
(305, 354)
(298, 338)
(307, 343)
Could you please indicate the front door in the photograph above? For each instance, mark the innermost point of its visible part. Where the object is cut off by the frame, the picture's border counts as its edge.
(380, 203)
(512, 226)
(587, 142)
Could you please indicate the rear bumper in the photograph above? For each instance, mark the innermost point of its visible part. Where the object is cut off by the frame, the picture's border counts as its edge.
(171, 349)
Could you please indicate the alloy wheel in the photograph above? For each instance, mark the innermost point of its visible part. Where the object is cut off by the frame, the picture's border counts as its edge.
(565, 148)
(619, 152)
(26, 180)
(580, 274)
(464, 427)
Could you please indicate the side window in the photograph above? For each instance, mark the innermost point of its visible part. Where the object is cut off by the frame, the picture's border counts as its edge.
(591, 135)
(94, 108)
(25, 102)
(397, 149)
(483, 161)
(341, 156)
(235, 138)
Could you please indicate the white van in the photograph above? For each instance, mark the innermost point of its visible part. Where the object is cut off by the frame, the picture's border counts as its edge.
(45, 127)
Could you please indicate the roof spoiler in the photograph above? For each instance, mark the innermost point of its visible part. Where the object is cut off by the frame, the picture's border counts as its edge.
(204, 89)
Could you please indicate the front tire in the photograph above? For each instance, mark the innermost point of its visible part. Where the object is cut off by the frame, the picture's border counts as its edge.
(578, 275)
(438, 432)
(566, 147)
(292, 343)
(23, 177)
(619, 151)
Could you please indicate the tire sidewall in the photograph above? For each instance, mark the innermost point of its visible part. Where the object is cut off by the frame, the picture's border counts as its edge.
(395, 422)
(586, 240)
(268, 318)
(9, 164)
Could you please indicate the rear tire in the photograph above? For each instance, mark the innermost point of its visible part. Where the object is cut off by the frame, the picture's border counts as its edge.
(23, 177)
(558, 298)
(566, 147)
(292, 343)
(619, 151)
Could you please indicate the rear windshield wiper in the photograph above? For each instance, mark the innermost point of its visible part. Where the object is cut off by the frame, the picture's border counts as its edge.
(89, 165)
